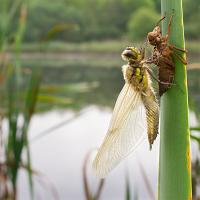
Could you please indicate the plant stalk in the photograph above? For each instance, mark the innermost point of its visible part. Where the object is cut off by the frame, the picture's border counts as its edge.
(175, 163)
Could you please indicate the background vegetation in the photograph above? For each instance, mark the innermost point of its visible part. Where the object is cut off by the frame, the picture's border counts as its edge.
(65, 56)
(101, 19)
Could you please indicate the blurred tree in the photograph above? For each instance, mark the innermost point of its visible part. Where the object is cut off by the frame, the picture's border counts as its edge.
(100, 19)
(43, 17)
(141, 22)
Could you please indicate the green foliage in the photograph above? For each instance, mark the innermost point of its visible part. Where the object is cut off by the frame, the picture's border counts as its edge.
(12, 99)
(141, 22)
(94, 20)
(8, 12)
(43, 18)
(17, 137)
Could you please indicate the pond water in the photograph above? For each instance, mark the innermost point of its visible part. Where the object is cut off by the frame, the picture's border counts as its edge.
(60, 155)
(80, 125)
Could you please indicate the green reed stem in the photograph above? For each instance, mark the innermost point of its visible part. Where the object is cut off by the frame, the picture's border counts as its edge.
(175, 164)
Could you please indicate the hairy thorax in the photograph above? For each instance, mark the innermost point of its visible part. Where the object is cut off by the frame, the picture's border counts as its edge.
(136, 76)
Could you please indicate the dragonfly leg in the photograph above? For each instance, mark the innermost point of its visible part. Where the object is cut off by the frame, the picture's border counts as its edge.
(180, 49)
(156, 79)
(169, 27)
(160, 20)
(180, 58)
(143, 53)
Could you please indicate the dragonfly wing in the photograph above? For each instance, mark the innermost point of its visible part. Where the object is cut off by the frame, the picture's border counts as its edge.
(126, 130)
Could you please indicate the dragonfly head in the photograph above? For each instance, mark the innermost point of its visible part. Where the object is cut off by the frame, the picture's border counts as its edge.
(131, 54)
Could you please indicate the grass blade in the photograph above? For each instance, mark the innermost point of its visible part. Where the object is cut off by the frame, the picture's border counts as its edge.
(55, 127)
(128, 188)
(195, 129)
(30, 103)
(195, 138)
(88, 193)
(146, 182)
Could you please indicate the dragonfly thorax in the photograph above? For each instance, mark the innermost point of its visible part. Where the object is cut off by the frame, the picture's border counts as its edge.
(137, 76)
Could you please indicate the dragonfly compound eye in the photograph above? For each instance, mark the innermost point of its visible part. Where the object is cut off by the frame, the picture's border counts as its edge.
(130, 54)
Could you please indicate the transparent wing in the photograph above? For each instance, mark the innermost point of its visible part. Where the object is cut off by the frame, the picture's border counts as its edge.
(126, 130)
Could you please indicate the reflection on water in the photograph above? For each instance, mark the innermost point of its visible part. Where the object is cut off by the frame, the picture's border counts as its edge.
(60, 154)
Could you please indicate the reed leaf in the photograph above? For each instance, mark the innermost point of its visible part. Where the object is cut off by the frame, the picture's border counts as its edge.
(175, 163)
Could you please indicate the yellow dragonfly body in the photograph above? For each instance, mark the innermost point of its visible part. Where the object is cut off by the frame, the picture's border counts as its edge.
(136, 111)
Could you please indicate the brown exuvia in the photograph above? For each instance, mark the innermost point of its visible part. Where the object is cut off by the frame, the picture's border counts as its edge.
(163, 55)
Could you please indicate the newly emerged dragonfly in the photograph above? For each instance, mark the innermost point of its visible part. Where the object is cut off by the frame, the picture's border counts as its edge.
(136, 112)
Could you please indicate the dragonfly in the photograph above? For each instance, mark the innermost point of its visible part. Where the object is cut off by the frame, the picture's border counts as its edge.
(135, 113)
